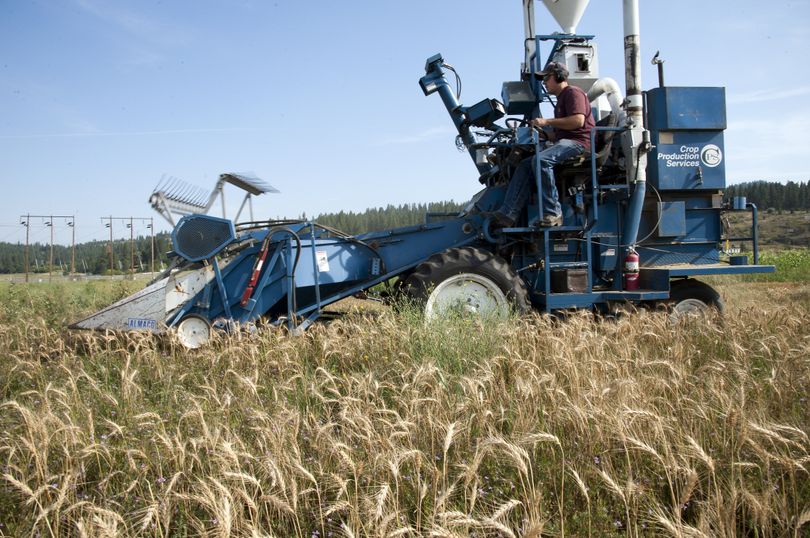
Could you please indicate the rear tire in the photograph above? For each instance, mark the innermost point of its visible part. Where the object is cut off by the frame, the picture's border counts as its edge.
(467, 281)
(692, 297)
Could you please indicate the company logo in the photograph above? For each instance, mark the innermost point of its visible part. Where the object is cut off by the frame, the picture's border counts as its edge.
(711, 155)
(142, 323)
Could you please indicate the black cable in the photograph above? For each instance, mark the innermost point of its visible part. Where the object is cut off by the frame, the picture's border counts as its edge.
(353, 239)
(289, 230)
(295, 236)
(283, 225)
(458, 79)
(166, 272)
(258, 224)
(658, 222)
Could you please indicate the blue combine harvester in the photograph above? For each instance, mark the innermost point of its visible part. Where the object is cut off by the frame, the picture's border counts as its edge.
(643, 215)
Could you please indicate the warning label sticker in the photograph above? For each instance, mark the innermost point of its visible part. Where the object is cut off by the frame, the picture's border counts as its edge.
(322, 260)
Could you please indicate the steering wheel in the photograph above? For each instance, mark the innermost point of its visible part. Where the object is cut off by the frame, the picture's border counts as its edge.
(514, 123)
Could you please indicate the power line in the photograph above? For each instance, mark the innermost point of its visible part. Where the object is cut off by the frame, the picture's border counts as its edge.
(70, 221)
(129, 223)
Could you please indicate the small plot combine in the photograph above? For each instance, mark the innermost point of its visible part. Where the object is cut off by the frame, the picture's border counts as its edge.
(620, 242)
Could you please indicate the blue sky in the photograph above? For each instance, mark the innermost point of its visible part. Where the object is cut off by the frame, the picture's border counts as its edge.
(101, 98)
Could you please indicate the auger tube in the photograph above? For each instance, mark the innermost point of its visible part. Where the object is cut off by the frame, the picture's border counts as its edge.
(434, 81)
(636, 140)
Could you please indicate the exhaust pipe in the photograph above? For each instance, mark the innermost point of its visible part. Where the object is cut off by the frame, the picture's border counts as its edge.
(636, 141)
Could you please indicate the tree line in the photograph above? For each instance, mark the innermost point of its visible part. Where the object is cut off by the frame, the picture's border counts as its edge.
(94, 256)
(382, 218)
(765, 194)
(789, 196)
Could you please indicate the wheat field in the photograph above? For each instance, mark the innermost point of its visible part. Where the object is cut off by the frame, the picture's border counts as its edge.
(377, 425)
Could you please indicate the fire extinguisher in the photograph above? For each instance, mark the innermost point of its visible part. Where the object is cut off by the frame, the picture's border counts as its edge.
(631, 270)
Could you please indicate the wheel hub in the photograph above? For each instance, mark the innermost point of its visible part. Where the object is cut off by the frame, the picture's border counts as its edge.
(687, 308)
(194, 331)
(467, 294)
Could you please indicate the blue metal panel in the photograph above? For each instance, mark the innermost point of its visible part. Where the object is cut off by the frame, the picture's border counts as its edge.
(678, 253)
(555, 301)
(697, 240)
(687, 160)
(635, 295)
(558, 301)
(687, 108)
(672, 219)
(406, 247)
(335, 261)
(715, 269)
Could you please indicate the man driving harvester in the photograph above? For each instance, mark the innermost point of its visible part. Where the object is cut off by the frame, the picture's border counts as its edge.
(569, 136)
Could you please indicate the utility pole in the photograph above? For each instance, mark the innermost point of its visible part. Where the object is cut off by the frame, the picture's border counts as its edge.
(27, 228)
(50, 257)
(130, 223)
(72, 225)
(109, 225)
(151, 227)
(49, 223)
(131, 249)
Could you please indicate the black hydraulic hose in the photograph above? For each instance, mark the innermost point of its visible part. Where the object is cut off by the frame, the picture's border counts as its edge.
(283, 225)
(258, 224)
(293, 291)
(458, 79)
(289, 230)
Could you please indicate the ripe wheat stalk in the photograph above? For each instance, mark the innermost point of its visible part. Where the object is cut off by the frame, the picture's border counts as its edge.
(378, 425)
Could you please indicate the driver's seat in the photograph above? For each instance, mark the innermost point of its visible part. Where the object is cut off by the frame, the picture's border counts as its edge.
(577, 171)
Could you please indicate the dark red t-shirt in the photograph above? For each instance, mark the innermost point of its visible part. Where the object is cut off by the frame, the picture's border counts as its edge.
(572, 101)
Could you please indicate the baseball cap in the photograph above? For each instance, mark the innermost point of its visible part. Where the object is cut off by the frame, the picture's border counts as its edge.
(553, 68)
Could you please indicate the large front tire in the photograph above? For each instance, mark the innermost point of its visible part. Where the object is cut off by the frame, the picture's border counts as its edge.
(469, 282)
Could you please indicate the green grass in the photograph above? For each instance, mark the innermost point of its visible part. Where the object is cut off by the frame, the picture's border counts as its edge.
(791, 266)
(60, 303)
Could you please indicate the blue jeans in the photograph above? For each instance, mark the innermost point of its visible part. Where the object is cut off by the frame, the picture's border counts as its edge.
(517, 195)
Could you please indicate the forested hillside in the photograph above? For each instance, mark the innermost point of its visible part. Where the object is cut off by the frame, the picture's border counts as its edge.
(94, 257)
(91, 257)
(384, 218)
(770, 195)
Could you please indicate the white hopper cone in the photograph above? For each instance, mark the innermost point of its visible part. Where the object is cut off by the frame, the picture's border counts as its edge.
(567, 13)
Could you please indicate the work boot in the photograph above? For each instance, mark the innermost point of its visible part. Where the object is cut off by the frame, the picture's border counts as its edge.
(549, 221)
